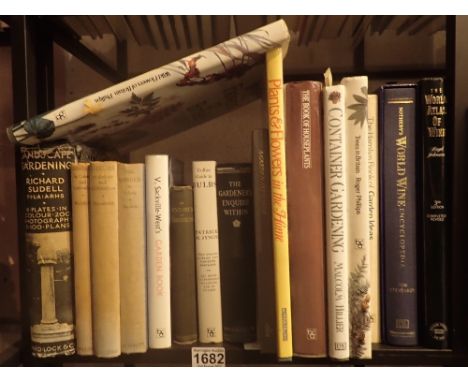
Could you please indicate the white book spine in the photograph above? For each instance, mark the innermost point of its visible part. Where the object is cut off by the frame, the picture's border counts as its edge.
(157, 247)
(358, 204)
(337, 215)
(207, 252)
(372, 119)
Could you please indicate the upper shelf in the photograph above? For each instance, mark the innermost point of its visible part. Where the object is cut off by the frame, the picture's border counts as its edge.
(347, 43)
(187, 32)
(119, 47)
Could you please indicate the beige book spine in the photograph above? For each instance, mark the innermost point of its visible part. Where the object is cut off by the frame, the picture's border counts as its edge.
(210, 322)
(104, 230)
(81, 251)
(132, 258)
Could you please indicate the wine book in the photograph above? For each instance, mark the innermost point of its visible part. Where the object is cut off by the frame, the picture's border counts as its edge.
(266, 310)
(337, 219)
(306, 217)
(277, 135)
(132, 257)
(104, 232)
(210, 323)
(166, 100)
(158, 244)
(236, 251)
(358, 209)
(373, 152)
(433, 119)
(398, 204)
(45, 197)
(183, 277)
(82, 258)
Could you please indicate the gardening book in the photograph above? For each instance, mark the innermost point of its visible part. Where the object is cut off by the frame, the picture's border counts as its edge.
(163, 101)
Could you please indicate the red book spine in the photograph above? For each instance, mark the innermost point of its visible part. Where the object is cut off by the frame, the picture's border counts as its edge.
(306, 227)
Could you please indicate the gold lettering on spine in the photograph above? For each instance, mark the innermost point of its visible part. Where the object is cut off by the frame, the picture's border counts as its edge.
(306, 129)
(436, 107)
(401, 185)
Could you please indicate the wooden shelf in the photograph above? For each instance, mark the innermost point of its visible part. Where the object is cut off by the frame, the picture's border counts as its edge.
(237, 356)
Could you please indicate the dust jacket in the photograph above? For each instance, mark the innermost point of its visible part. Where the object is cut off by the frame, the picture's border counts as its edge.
(166, 100)
(45, 200)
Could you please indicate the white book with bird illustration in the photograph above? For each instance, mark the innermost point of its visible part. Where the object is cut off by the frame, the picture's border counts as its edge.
(163, 101)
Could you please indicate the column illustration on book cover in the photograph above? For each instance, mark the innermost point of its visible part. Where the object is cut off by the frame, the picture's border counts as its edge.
(165, 100)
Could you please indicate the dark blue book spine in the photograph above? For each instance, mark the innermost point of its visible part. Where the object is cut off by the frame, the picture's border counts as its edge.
(399, 217)
(433, 106)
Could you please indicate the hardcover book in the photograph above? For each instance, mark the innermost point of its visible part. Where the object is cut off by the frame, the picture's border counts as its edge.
(183, 277)
(163, 101)
(398, 205)
(104, 232)
(358, 210)
(45, 200)
(433, 106)
(210, 323)
(337, 220)
(266, 318)
(306, 218)
(132, 258)
(279, 207)
(158, 256)
(374, 217)
(236, 251)
(82, 258)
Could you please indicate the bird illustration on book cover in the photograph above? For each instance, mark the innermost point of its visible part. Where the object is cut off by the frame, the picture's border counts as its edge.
(235, 57)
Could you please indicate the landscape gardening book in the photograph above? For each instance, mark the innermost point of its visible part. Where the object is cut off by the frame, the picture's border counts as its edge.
(163, 101)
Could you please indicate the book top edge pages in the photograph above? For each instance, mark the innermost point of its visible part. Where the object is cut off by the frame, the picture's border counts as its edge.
(164, 101)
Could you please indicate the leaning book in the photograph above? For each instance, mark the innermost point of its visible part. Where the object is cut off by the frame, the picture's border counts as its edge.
(163, 101)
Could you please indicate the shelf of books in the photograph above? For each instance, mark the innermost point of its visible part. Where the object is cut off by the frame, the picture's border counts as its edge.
(332, 245)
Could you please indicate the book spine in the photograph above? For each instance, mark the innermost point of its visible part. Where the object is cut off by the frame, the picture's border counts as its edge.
(372, 119)
(157, 244)
(266, 316)
(433, 106)
(305, 206)
(276, 124)
(183, 278)
(82, 259)
(132, 258)
(45, 178)
(210, 326)
(358, 204)
(398, 189)
(104, 230)
(337, 220)
(236, 251)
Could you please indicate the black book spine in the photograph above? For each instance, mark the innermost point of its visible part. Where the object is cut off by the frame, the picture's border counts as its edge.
(183, 278)
(266, 311)
(399, 225)
(236, 251)
(48, 279)
(433, 106)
